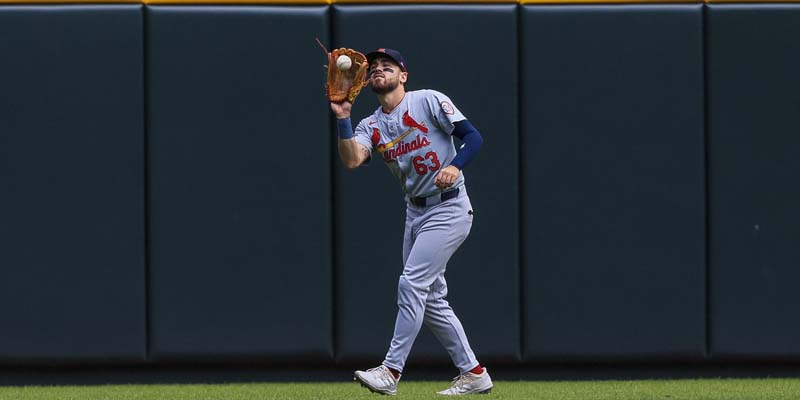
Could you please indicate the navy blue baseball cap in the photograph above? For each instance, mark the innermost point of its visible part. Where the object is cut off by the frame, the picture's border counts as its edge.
(390, 54)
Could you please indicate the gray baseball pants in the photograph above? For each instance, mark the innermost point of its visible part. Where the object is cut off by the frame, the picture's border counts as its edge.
(432, 235)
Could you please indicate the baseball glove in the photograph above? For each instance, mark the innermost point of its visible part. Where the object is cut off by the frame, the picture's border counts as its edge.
(345, 85)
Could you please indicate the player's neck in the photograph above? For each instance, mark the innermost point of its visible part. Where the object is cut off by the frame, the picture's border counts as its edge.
(390, 100)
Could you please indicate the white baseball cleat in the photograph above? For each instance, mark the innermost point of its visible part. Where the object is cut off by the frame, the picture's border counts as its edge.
(378, 380)
(469, 383)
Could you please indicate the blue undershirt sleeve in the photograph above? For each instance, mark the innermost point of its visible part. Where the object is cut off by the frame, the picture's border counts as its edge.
(472, 143)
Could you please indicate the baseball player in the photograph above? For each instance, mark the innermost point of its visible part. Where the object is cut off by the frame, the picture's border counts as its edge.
(413, 133)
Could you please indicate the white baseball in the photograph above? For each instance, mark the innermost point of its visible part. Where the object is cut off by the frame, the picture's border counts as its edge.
(343, 63)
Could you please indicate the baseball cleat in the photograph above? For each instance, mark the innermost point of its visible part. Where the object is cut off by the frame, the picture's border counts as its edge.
(378, 380)
(469, 383)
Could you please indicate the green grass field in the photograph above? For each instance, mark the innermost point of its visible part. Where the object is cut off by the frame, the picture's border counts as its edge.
(722, 389)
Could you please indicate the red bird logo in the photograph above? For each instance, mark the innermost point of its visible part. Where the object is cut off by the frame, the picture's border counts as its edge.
(408, 121)
(376, 136)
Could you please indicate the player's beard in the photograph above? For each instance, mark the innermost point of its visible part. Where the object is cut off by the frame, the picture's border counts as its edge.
(386, 87)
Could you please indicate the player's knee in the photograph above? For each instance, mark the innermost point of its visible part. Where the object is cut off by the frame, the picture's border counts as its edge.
(404, 286)
(408, 289)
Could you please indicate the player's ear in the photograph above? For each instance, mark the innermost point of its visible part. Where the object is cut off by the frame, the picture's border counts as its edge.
(403, 77)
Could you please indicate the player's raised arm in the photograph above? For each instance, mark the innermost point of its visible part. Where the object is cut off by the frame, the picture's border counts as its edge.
(352, 153)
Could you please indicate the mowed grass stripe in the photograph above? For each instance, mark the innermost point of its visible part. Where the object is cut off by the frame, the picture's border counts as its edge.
(706, 389)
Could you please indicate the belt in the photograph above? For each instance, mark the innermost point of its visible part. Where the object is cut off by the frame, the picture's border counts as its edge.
(435, 199)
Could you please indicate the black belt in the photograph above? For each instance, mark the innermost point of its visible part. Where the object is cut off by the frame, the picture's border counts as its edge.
(422, 201)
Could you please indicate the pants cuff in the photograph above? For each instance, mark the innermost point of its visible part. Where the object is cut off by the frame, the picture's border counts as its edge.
(392, 366)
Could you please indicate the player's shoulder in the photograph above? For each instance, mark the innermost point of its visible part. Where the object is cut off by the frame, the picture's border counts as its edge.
(433, 100)
(429, 98)
(428, 94)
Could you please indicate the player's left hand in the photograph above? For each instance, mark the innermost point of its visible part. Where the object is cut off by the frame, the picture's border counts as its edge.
(447, 177)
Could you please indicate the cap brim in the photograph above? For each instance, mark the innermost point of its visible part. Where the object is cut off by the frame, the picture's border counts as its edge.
(375, 54)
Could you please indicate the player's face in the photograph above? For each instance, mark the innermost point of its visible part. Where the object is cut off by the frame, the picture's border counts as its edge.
(385, 75)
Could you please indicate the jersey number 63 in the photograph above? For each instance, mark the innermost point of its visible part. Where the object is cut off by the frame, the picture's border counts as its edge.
(421, 165)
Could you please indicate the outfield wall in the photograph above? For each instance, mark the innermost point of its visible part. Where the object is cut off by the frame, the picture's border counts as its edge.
(170, 190)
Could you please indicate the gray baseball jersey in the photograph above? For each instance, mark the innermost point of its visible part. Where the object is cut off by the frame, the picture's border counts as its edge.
(414, 140)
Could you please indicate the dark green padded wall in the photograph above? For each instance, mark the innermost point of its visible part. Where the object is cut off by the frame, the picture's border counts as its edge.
(753, 109)
(614, 196)
(240, 203)
(72, 267)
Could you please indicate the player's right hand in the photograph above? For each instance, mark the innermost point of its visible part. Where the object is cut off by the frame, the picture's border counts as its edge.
(342, 110)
